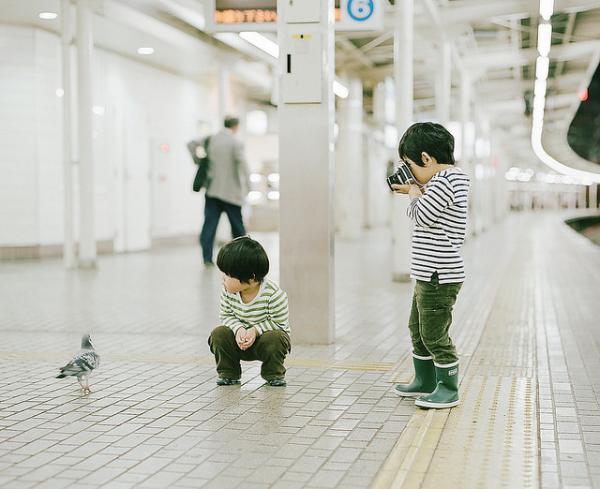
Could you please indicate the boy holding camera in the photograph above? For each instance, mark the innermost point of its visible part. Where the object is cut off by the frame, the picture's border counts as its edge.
(440, 221)
(253, 314)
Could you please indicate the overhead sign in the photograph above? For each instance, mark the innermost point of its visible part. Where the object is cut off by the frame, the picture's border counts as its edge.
(261, 15)
(360, 15)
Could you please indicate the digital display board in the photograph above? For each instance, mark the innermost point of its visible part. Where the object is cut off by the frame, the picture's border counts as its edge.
(251, 14)
(261, 15)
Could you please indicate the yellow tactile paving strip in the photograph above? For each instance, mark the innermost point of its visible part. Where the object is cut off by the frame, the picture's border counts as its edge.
(187, 359)
(491, 439)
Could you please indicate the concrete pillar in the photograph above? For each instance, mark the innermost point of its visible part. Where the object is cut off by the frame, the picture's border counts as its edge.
(582, 197)
(306, 164)
(349, 163)
(593, 195)
(69, 258)
(466, 152)
(85, 45)
(224, 93)
(403, 78)
(443, 84)
(377, 200)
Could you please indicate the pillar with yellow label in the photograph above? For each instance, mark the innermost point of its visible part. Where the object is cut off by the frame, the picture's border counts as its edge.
(306, 163)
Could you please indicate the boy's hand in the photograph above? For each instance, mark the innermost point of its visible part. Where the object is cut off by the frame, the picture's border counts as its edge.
(400, 189)
(249, 339)
(240, 338)
(414, 192)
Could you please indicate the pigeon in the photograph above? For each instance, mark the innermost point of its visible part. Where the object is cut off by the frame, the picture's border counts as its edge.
(82, 364)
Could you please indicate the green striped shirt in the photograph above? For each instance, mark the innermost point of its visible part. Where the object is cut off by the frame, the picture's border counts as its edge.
(268, 311)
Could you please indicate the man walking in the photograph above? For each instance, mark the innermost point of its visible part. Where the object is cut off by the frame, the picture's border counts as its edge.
(228, 184)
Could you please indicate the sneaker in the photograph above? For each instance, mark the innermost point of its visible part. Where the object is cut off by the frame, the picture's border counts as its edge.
(228, 382)
(209, 264)
(277, 382)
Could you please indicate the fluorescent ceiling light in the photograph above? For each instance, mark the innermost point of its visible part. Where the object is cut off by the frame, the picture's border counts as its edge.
(544, 39)
(546, 9)
(145, 50)
(339, 89)
(48, 15)
(261, 42)
(541, 68)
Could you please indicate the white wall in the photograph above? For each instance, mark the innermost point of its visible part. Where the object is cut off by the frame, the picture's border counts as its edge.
(139, 188)
(19, 203)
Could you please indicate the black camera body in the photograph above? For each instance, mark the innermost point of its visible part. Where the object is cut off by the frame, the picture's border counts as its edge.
(403, 176)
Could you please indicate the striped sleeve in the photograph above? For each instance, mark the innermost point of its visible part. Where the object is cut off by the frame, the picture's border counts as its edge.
(227, 316)
(277, 314)
(427, 209)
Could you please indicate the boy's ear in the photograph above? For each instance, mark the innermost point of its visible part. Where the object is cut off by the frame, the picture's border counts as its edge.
(427, 159)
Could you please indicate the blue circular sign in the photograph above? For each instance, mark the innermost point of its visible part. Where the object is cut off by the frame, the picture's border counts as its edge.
(360, 10)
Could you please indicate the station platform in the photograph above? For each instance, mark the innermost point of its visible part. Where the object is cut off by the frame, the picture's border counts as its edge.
(526, 326)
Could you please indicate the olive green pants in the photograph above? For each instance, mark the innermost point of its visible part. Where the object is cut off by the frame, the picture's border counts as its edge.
(430, 320)
(270, 348)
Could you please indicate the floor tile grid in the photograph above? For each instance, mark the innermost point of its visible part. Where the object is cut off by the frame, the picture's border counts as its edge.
(574, 352)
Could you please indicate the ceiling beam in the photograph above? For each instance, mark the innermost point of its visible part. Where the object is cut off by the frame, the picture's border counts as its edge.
(507, 57)
(477, 11)
(560, 66)
(356, 53)
(377, 41)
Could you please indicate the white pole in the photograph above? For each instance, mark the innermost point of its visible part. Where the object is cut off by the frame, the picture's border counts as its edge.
(87, 239)
(224, 90)
(403, 78)
(69, 258)
(593, 195)
(444, 83)
(349, 163)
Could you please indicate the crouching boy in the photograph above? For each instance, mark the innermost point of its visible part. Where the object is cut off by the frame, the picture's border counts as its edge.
(440, 222)
(253, 315)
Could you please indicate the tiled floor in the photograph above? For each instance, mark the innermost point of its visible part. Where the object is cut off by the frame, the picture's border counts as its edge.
(526, 325)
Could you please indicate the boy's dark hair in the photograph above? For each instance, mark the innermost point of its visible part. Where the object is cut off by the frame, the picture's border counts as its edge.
(244, 259)
(429, 137)
(230, 122)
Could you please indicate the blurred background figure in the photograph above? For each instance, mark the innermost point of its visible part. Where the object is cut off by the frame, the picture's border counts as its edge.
(228, 184)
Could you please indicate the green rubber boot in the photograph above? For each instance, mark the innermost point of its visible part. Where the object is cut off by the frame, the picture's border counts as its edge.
(424, 381)
(445, 394)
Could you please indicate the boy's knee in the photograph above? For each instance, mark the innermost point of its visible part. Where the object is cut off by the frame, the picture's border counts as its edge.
(275, 342)
(220, 334)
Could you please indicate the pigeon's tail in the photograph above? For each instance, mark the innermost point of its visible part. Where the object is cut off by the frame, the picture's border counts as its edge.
(60, 376)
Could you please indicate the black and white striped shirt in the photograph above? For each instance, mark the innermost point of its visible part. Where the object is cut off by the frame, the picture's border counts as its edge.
(440, 218)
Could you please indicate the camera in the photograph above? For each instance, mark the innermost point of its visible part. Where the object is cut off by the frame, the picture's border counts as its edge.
(403, 176)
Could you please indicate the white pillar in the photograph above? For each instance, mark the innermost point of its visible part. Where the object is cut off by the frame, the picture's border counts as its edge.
(593, 195)
(306, 165)
(467, 138)
(403, 77)
(69, 258)
(349, 163)
(87, 239)
(582, 196)
(443, 83)
(224, 93)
